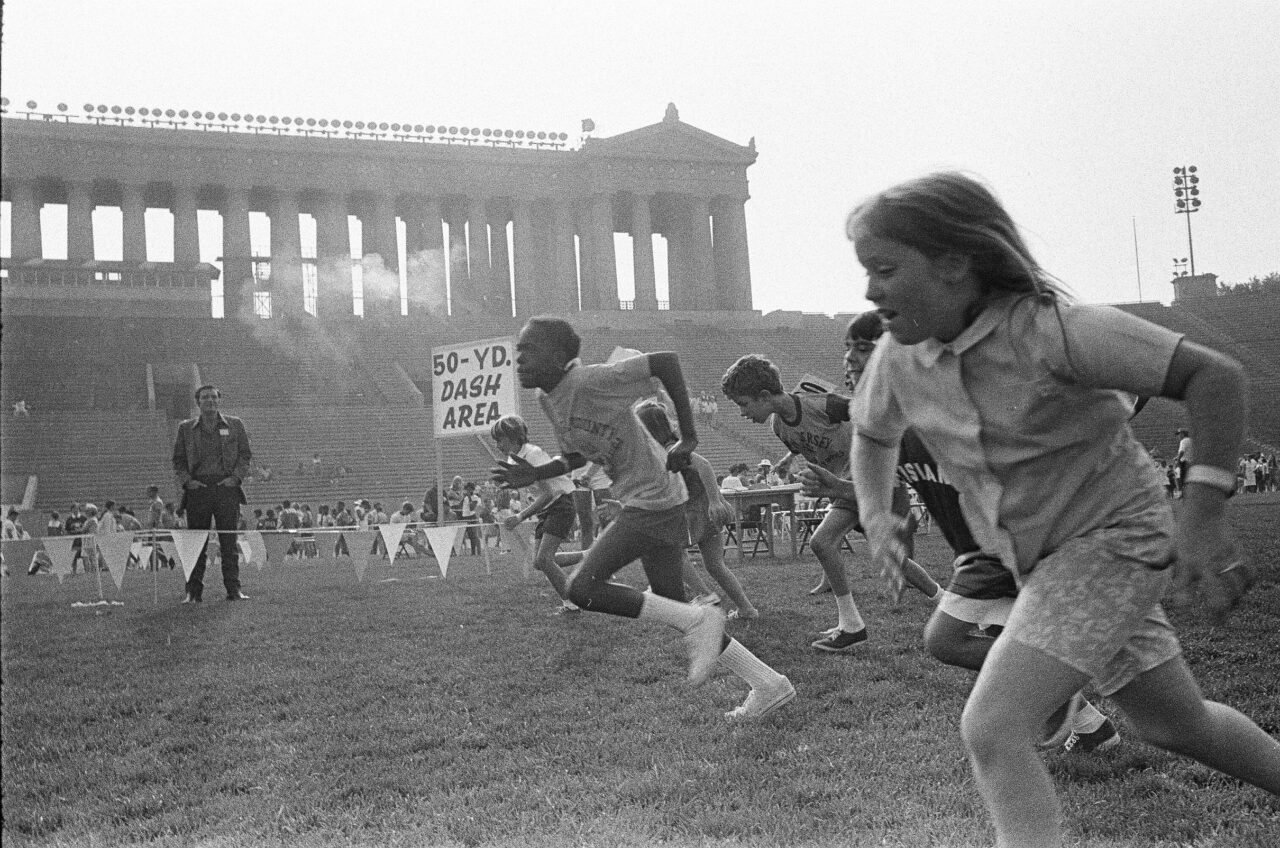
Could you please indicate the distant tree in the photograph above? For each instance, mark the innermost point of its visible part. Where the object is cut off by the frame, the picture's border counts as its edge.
(1270, 284)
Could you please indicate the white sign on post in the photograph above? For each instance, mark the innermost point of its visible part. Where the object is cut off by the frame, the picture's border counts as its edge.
(473, 385)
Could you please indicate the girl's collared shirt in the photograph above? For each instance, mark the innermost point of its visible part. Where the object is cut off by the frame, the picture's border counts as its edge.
(554, 486)
(1015, 412)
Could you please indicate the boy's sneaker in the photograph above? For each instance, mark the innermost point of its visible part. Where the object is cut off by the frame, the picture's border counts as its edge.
(1097, 741)
(711, 599)
(567, 609)
(704, 641)
(1058, 738)
(761, 702)
(743, 615)
(840, 641)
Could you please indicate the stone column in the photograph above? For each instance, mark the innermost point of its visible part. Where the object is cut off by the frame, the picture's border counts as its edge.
(702, 268)
(79, 221)
(381, 275)
(462, 296)
(642, 254)
(601, 259)
(479, 278)
(186, 225)
(679, 296)
(733, 265)
(333, 259)
(286, 257)
(500, 302)
(525, 273)
(133, 210)
(564, 294)
(424, 256)
(25, 214)
(237, 254)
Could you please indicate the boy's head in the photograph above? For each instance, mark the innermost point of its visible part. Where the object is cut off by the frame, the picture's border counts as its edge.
(510, 432)
(752, 383)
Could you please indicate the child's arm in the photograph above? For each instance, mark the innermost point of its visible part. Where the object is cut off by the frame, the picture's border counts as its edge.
(719, 510)
(518, 473)
(539, 504)
(874, 478)
(666, 367)
(1213, 388)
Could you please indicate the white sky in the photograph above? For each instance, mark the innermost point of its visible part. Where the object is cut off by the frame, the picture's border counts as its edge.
(1075, 112)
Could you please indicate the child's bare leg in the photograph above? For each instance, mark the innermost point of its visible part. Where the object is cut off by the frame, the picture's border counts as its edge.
(1017, 691)
(692, 577)
(1168, 710)
(712, 550)
(545, 561)
(919, 578)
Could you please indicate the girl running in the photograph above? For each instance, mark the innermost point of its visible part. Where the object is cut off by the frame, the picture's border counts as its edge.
(553, 505)
(591, 409)
(1024, 399)
(706, 511)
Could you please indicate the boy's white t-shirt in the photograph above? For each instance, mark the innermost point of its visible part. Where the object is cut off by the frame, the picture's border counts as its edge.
(536, 456)
(1014, 412)
(593, 415)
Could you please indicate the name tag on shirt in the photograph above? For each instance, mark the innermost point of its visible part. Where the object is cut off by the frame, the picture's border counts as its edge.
(224, 432)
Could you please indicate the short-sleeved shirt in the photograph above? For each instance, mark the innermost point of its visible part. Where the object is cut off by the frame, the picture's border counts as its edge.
(821, 431)
(1012, 411)
(592, 412)
(555, 486)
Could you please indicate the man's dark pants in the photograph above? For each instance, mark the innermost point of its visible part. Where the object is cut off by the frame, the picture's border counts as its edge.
(216, 506)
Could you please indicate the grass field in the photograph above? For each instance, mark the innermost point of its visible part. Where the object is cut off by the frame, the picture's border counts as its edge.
(411, 710)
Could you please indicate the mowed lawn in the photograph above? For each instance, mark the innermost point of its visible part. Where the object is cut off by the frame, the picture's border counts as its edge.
(410, 710)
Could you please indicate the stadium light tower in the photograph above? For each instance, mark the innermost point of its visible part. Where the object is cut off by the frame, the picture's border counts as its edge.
(1186, 195)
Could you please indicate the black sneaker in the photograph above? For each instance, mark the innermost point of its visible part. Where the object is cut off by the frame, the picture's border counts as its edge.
(840, 641)
(1106, 736)
(238, 596)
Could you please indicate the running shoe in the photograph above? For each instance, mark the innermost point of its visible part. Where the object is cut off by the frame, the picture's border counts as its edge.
(1097, 741)
(742, 615)
(711, 599)
(704, 641)
(1058, 738)
(761, 702)
(840, 641)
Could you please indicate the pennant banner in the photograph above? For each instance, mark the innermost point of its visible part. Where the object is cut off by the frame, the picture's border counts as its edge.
(188, 545)
(253, 549)
(442, 540)
(61, 554)
(360, 542)
(19, 552)
(277, 546)
(391, 535)
(170, 551)
(115, 550)
(327, 543)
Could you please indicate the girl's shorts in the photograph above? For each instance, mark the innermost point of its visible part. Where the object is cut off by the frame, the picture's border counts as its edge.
(557, 519)
(1094, 603)
(981, 590)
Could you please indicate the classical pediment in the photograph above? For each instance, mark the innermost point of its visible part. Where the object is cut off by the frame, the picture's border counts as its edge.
(673, 139)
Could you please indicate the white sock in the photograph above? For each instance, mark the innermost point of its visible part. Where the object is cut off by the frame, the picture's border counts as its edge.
(850, 618)
(678, 614)
(748, 666)
(1088, 719)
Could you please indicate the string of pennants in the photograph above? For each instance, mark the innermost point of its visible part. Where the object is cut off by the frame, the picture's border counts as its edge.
(258, 548)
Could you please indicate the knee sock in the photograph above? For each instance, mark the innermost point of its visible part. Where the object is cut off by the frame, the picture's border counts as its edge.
(850, 618)
(1088, 719)
(678, 614)
(748, 666)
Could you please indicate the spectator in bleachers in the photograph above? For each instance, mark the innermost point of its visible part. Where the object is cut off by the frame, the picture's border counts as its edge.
(315, 465)
(211, 458)
(20, 409)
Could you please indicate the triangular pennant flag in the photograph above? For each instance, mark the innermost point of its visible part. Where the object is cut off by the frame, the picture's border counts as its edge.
(18, 552)
(115, 550)
(360, 542)
(277, 545)
(257, 549)
(59, 549)
(391, 534)
(187, 545)
(441, 540)
(169, 549)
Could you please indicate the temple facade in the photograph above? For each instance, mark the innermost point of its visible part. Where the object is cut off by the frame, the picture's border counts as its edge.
(485, 228)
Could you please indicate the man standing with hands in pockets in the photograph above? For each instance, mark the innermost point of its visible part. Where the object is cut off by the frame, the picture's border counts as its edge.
(211, 458)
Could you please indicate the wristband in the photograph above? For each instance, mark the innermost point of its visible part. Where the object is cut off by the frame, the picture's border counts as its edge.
(1211, 475)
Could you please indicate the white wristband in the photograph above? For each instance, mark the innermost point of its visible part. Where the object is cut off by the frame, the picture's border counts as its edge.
(1211, 475)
